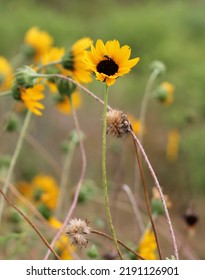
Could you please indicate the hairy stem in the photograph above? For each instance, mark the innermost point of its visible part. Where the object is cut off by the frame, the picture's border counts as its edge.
(107, 204)
(15, 157)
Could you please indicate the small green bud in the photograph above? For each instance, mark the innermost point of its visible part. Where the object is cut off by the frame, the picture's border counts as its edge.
(26, 77)
(74, 137)
(157, 206)
(158, 66)
(5, 161)
(65, 147)
(13, 123)
(67, 61)
(161, 94)
(44, 210)
(15, 217)
(65, 87)
(28, 51)
(92, 252)
(16, 92)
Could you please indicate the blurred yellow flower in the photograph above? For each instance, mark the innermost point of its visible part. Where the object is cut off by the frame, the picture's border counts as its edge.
(136, 125)
(55, 222)
(147, 247)
(54, 54)
(109, 61)
(63, 103)
(173, 142)
(73, 61)
(64, 248)
(31, 97)
(6, 74)
(165, 93)
(42, 189)
(39, 41)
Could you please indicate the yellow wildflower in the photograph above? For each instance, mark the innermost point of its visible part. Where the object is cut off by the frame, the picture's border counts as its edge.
(136, 125)
(173, 142)
(109, 61)
(147, 247)
(73, 61)
(64, 248)
(42, 189)
(54, 54)
(63, 103)
(39, 41)
(165, 93)
(5, 74)
(31, 96)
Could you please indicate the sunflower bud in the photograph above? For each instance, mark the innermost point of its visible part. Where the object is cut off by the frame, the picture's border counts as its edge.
(93, 252)
(118, 124)
(67, 61)
(26, 77)
(158, 66)
(65, 88)
(28, 51)
(164, 93)
(13, 123)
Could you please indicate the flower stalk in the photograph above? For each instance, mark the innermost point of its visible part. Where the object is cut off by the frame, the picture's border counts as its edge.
(107, 204)
(15, 157)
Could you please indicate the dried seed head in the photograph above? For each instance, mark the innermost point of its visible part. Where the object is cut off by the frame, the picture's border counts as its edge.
(118, 124)
(76, 230)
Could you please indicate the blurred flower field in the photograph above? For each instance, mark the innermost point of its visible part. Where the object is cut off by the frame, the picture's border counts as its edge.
(102, 130)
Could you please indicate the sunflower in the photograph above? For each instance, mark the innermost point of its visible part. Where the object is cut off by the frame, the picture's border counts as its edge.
(37, 43)
(164, 93)
(31, 96)
(109, 61)
(173, 144)
(5, 74)
(137, 126)
(43, 189)
(73, 61)
(63, 103)
(147, 247)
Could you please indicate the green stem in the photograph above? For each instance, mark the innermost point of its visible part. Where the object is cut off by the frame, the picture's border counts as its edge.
(65, 177)
(107, 205)
(148, 89)
(5, 93)
(14, 158)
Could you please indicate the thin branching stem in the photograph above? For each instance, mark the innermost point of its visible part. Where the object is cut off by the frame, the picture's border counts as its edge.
(120, 242)
(15, 157)
(30, 223)
(79, 184)
(149, 211)
(160, 192)
(135, 208)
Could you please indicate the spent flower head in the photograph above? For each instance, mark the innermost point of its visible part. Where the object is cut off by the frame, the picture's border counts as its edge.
(109, 61)
(77, 230)
(118, 124)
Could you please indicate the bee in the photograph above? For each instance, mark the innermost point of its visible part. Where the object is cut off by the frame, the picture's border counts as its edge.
(108, 58)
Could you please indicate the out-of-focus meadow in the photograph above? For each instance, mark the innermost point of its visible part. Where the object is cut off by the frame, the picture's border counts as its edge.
(172, 32)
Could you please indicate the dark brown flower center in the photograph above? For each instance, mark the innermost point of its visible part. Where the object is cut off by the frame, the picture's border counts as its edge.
(107, 66)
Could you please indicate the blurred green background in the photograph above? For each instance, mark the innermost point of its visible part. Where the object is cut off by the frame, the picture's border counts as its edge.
(170, 31)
